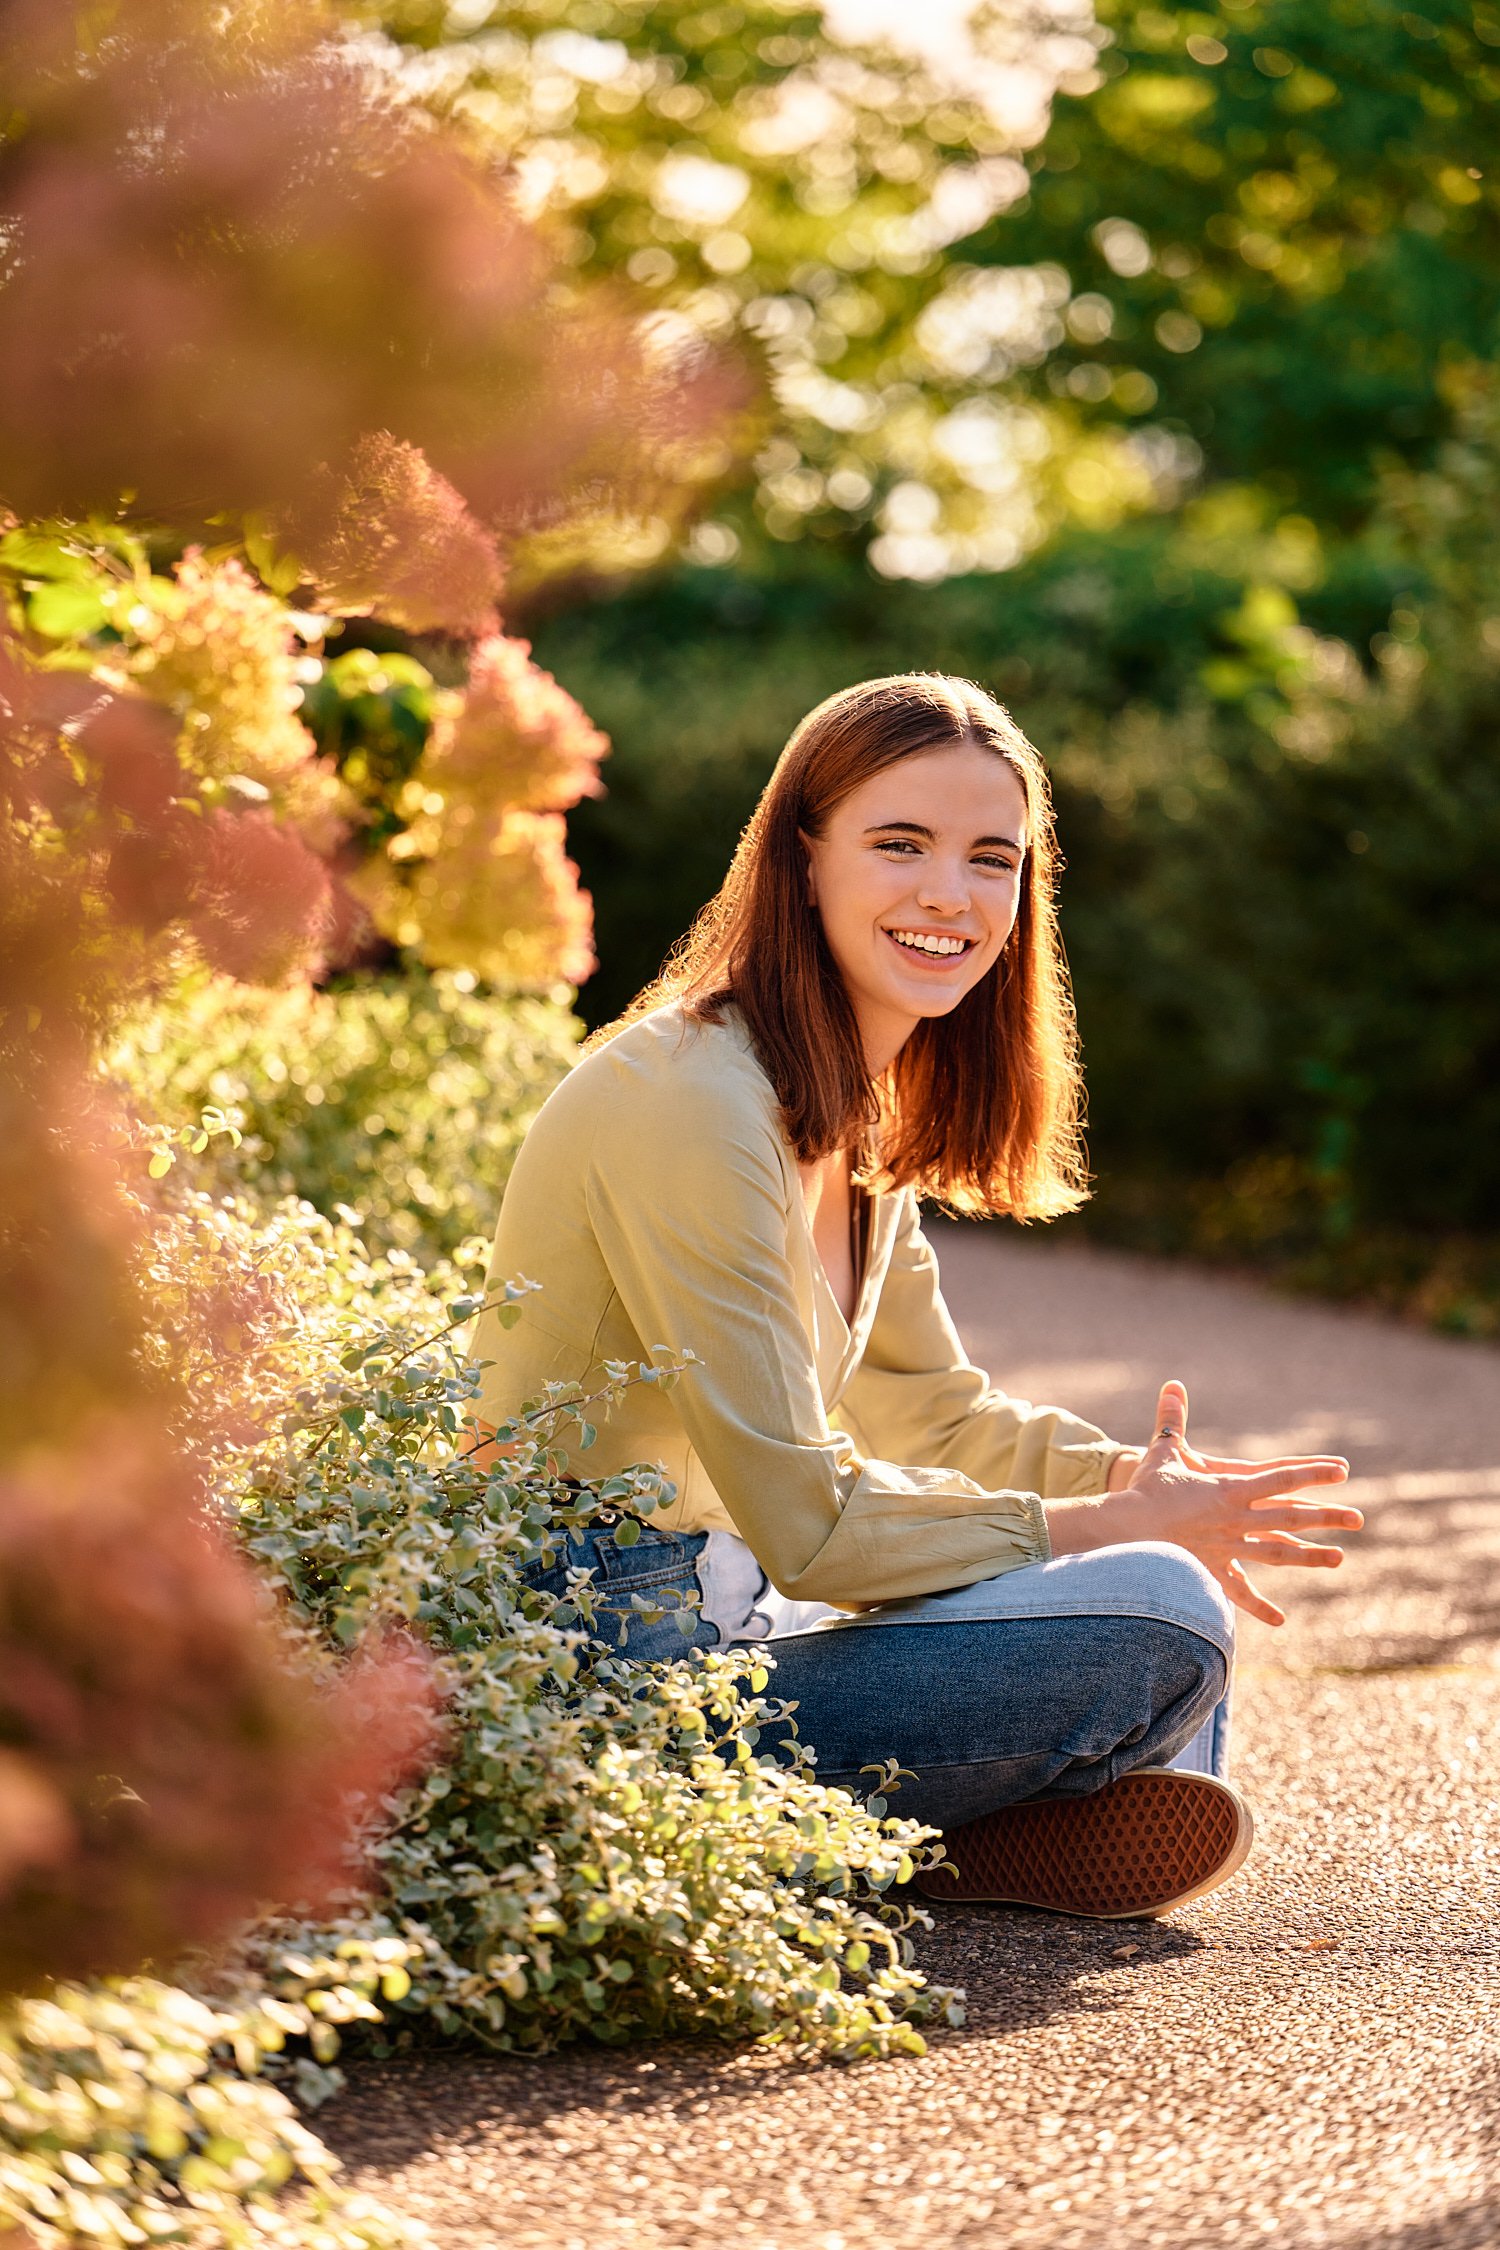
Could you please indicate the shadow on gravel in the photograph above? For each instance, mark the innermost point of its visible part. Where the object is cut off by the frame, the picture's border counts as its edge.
(1418, 1588)
(1020, 1970)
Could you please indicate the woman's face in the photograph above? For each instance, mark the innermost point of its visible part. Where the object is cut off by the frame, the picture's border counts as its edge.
(917, 880)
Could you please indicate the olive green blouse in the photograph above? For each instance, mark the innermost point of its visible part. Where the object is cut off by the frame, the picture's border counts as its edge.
(657, 1202)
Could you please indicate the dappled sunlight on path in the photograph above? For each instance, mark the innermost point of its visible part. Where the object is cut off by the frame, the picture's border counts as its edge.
(1417, 1414)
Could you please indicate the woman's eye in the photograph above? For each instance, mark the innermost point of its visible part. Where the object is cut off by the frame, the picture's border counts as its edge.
(902, 846)
(996, 866)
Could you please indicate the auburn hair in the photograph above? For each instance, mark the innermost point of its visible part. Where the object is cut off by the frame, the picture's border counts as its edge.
(982, 1108)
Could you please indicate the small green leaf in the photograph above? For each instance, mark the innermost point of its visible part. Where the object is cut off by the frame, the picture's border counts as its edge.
(31, 554)
(161, 1164)
(627, 1532)
(66, 612)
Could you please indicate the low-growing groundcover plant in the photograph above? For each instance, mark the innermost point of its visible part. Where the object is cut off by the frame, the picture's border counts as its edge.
(137, 2111)
(598, 1852)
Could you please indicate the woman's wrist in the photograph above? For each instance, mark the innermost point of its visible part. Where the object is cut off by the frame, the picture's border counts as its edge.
(1108, 1519)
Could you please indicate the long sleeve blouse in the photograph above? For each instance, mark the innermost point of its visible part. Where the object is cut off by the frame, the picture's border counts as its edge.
(657, 1202)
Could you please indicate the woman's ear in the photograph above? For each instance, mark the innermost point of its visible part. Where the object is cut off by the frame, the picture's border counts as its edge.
(806, 842)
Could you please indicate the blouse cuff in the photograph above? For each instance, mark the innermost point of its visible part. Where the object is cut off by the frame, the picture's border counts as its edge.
(1036, 1516)
(1085, 1469)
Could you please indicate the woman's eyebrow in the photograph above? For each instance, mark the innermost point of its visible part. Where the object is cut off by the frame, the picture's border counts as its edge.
(915, 828)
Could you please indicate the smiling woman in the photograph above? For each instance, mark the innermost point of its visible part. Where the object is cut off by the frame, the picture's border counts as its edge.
(903, 850)
(1030, 1619)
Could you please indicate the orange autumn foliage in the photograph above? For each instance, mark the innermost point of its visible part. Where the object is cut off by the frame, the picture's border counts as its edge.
(479, 878)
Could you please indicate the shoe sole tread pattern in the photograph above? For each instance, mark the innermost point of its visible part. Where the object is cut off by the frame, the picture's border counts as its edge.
(1138, 1847)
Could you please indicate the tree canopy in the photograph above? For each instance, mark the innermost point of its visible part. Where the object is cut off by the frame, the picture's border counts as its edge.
(1289, 212)
(1250, 246)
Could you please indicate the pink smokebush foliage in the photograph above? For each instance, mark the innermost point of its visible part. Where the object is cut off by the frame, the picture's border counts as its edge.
(239, 281)
(400, 544)
(232, 255)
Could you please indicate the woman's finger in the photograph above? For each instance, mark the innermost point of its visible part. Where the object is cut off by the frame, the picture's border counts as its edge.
(1245, 1596)
(1270, 1484)
(1300, 1515)
(1284, 1547)
(1171, 1418)
(1227, 1465)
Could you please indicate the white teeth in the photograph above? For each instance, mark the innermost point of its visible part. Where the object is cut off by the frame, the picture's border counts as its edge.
(922, 943)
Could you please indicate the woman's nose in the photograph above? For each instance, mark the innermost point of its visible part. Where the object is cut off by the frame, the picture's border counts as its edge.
(943, 890)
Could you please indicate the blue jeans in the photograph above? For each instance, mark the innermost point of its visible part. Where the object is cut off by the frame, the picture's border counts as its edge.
(1046, 1682)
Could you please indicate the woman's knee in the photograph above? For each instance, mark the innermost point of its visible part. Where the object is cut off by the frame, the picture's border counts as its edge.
(1177, 1587)
(1129, 1673)
(1186, 1666)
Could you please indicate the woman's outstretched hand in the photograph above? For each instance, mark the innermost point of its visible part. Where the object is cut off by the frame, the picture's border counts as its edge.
(1228, 1513)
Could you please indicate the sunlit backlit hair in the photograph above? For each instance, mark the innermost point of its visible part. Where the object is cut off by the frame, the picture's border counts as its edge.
(982, 1107)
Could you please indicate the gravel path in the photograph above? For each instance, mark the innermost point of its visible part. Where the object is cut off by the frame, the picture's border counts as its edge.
(1308, 2058)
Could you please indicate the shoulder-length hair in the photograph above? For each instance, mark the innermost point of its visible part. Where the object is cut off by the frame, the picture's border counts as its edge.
(982, 1108)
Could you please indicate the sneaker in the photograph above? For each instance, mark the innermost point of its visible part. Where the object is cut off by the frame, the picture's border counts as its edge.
(1138, 1847)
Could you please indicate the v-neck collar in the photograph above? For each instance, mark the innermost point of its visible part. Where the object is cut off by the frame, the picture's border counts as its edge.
(849, 1337)
(877, 1221)
(861, 1230)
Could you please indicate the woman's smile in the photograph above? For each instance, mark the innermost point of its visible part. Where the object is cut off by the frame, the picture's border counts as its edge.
(932, 949)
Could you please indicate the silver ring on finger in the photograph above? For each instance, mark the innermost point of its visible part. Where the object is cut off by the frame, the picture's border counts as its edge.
(1168, 1434)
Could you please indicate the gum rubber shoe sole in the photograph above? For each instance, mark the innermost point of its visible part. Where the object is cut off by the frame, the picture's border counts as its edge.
(1140, 1846)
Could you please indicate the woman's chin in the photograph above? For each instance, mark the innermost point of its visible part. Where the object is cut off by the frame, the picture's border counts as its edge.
(932, 1000)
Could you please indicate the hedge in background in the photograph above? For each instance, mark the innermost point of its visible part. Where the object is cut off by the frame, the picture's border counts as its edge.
(401, 1099)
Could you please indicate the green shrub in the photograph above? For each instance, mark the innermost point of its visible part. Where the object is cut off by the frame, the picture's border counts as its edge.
(400, 1099)
(1287, 935)
(250, 1300)
(137, 2111)
(600, 1853)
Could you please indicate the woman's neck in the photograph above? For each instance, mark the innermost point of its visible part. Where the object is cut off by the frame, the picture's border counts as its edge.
(882, 1036)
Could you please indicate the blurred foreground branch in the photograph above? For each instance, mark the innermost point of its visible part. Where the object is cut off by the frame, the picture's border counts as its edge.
(245, 297)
